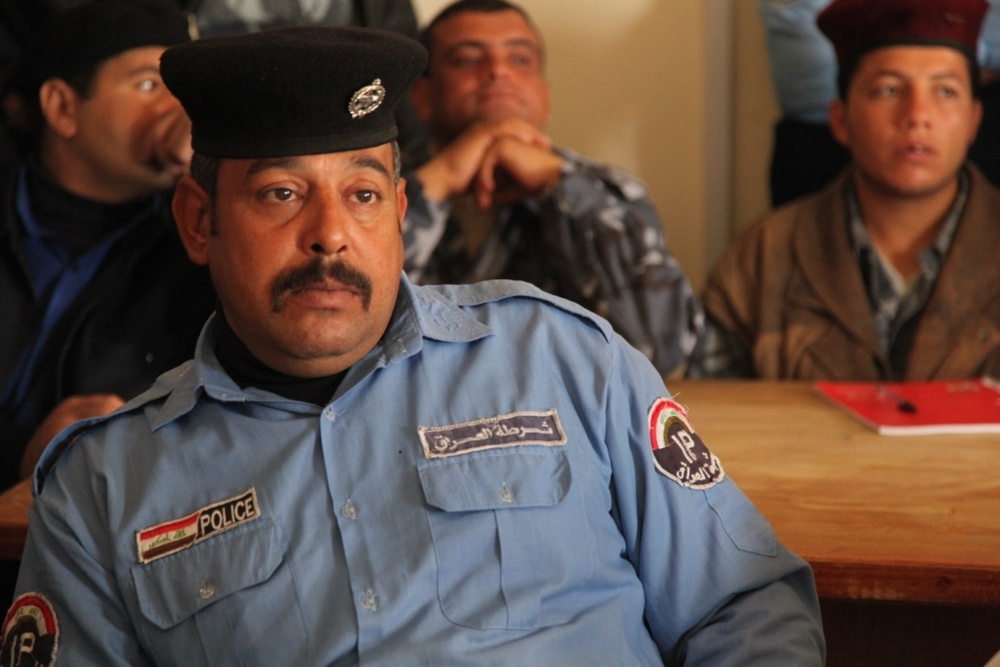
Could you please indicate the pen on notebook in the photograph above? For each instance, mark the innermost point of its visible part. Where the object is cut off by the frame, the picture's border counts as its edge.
(901, 403)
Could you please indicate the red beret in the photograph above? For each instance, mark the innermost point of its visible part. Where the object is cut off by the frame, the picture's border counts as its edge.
(857, 26)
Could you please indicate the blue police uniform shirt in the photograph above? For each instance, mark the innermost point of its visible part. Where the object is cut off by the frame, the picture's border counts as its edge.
(489, 485)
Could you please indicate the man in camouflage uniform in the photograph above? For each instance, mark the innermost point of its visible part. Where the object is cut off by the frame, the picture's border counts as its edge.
(498, 201)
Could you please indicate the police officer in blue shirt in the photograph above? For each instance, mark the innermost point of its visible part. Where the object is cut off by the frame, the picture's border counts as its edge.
(355, 470)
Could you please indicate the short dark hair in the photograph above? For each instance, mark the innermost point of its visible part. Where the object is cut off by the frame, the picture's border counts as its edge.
(469, 7)
(848, 67)
(205, 172)
(82, 83)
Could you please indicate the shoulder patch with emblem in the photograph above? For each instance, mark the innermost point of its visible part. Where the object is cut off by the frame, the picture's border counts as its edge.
(175, 535)
(30, 632)
(678, 451)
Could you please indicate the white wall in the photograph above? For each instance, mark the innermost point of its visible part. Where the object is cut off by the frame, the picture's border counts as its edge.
(648, 85)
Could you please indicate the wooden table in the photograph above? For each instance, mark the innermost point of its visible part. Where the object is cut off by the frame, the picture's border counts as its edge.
(902, 532)
(914, 518)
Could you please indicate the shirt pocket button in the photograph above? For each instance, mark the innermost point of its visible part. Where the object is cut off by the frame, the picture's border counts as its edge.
(207, 590)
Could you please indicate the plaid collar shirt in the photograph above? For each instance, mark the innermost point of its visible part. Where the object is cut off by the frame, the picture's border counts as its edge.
(894, 301)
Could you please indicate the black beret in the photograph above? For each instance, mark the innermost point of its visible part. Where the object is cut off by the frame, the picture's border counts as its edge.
(857, 26)
(75, 40)
(292, 91)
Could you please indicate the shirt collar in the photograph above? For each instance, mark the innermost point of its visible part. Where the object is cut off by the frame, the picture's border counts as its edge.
(893, 302)
(420, 313)
(862, 242)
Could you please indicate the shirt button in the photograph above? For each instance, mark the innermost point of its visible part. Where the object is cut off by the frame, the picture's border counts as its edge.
(369, 601)
(329, 413)
(207, 590)
(506, 495)
(349, 510)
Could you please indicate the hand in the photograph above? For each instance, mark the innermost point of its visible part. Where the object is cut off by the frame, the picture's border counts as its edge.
(451, 171)
(512, 170)
(71, 409)
(172, 151)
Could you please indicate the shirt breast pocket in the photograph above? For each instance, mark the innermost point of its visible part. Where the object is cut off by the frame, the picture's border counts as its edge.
(227, 597)
(509, 537)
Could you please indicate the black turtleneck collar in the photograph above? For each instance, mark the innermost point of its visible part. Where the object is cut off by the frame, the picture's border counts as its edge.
(247, 371)
(77, 223)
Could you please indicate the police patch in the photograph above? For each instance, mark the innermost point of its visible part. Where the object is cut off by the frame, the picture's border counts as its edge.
(30, 632)
(678, 451)
(172, 536)
(515, 428)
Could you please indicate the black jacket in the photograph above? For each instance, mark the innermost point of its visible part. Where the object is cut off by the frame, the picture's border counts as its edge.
(139, 316)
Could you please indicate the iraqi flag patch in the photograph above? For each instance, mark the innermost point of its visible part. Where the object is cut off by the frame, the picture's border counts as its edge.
(176, 535)
(30, 632)
(678, 451)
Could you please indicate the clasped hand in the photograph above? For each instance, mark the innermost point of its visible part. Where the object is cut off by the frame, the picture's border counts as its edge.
(498, 162)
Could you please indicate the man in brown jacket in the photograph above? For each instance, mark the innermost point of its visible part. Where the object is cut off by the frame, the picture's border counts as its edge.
(893, 271)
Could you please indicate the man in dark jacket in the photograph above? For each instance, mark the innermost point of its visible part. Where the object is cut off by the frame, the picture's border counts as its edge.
(97, 293)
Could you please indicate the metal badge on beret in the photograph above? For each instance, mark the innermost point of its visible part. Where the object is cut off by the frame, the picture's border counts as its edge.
(366, 99)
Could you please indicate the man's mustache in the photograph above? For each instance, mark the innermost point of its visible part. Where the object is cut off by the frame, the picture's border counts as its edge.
(314, 273)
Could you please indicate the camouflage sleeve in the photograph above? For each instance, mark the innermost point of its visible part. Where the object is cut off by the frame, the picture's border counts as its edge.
(718, 354)
(423, 228)
(607, 242)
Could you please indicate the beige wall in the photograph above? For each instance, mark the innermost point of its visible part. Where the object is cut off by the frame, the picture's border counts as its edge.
(649, 85)
(755, 112)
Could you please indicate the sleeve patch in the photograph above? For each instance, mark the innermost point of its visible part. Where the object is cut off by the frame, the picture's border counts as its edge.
(678, 452)
(30, 632)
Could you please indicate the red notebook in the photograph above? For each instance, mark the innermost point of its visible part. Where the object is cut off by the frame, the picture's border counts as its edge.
(920, 408)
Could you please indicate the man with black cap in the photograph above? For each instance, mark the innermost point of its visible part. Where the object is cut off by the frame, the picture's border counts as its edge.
(891, 272)
(97, 293)
(356, 470)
